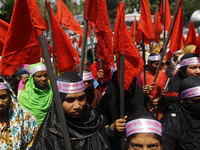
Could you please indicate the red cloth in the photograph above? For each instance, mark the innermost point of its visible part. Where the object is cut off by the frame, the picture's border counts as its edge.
(123, 43)
(66, 55)
(146, 25)
(168, 19)
(183, 42)
(4, 29)
(138, 33)
(96, 12)
(159, 28)
(191, 36)
(22, 42)
(175, 39)
(66, 18)
(197, 50)
(159, 85)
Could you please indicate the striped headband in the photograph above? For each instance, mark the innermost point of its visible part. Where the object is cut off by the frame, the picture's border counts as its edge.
(65, 87)
(38, 68)
(154, 58)
(143, 126)
(190, 61)
(192, 92)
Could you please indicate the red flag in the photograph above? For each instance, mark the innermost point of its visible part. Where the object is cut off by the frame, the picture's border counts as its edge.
(175, 39)
(138, 33)
(66, 18)
(191, 36)
(146, 25)
(96, 12)
(66, 55)
(168, 19)
(22, 42)
(158, 29)
(123, 43)
(197, 50)
(4, 29)
(183, 40)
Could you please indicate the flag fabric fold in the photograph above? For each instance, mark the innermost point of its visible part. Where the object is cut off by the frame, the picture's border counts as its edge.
(22, 41)
(4, 29)
(158, 29)
(96, 12)
(167, 14)
(197, 50)
(66, 55)
(146, 25)
(191, 36)
(123, 43)
(175, 39)
(66, 18)
(138, 33)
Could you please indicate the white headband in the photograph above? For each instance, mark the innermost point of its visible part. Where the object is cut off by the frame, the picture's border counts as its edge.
(179, 51)
(2, 86)
(143, 126)
(38, 68)
(190, 61)
(154, 58)
(75, 87)
(87, 76)
(192, 92)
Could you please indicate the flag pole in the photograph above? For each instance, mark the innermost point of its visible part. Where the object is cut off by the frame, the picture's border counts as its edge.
(134, 29)
(154, 29)
(122, 94)
(100, 60)
(52, 40)
(56, 94)
(143, 55)
(91, 41)
(164, 20)
(83, 47)
(168, 37)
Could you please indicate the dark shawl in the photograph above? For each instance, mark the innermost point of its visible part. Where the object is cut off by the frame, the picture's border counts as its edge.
(110, 104)
(85, 131)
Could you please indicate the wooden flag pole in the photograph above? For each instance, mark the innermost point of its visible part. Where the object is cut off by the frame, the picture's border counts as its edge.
(56, 94)
(52, 41)
(164, 20)
(143, 55)
(84, 44)
(155, 24)
(134, 29)
(101, 68)
(91, 41)
(168, 37)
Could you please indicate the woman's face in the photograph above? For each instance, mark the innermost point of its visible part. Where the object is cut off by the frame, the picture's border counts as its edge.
(144, 141)
(40, 79)
(153, 65)
(193, 70)
(88, 83)
(4, 100)
(74, 104)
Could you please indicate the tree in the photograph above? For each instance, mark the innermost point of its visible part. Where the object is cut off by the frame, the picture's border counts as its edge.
(6, 10)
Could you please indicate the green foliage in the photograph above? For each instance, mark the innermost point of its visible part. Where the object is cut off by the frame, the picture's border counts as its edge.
(6, 10)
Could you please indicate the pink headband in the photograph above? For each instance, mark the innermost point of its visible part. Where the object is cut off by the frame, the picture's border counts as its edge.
(87, 76)
(38, 68)
(2, 86)
(192, 92)
(190, 61)
(179, 51)
(143, 126)
(154, 58)
(65, 87)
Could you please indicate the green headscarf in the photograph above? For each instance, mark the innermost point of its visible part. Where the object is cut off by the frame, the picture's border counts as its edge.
(36, 101)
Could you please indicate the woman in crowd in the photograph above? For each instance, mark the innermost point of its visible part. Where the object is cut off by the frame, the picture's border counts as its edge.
(17, 126)
(37, 95)
(93, 95)
(181, 125)
(143, 132)
(85, 125)
(189, 67)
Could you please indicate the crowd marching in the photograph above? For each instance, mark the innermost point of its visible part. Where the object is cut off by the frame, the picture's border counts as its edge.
(155, 106)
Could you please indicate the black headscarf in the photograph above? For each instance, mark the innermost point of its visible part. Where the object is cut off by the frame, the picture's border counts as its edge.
(85, 131)
(183, 122)
(172, 94)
